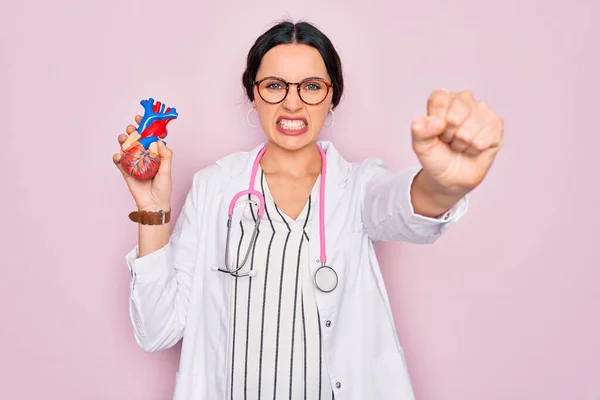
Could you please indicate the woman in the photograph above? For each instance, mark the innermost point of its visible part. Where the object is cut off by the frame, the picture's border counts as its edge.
(290, 302)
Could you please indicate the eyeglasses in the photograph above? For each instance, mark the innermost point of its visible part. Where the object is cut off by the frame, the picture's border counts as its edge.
(311, 91)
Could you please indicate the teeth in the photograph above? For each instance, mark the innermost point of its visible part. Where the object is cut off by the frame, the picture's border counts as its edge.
(294, 125)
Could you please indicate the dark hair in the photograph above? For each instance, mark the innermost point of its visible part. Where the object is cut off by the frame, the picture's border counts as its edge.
(287, 32)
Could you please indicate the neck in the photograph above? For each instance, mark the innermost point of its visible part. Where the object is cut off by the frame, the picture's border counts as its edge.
(301, 162)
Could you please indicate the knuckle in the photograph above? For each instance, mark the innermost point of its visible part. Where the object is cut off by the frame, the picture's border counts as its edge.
(453, 118)
(471, 125)
(459, 110)
(479, 143)
(466, 95)
(483, 106)
(484, 109)
(456, 115)
(464, 134)
(439, 98)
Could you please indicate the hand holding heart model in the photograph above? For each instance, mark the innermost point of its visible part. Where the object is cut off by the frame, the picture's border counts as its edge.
(139, 153)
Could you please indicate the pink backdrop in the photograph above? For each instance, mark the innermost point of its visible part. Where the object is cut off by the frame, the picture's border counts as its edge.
(503, 307)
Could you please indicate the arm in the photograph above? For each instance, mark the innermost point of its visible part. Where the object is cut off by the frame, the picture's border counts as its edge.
(430, 200)
(456, 144)
(162, 270)
(152, 238)
(397, 207)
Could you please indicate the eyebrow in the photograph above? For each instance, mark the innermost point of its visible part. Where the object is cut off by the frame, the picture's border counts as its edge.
(277, 77)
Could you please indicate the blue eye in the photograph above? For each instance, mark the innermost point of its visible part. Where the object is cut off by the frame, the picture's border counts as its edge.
(311, 86)
(273, 84)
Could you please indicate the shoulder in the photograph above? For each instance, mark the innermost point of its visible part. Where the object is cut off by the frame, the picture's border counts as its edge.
(354, 172)
(225, 168)
(368, 168)
(370, 172)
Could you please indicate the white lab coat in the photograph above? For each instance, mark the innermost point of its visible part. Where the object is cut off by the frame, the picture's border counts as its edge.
(175, 293)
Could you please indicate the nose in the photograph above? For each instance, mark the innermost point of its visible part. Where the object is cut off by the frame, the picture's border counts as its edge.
(292, 101)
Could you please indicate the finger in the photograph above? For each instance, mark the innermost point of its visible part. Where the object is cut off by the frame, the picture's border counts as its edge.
(439, 102)
(486, 114)
(138, 119)
(485, 118)
(426, 128)
(133, 137)
(489, 139)
(458, 113)
(117, 158)
(121, 138)
(117, 161)
(467, 96)
(465, 134)
(130, 129)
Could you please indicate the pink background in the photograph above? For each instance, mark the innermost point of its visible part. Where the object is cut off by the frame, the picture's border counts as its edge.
(503, 307)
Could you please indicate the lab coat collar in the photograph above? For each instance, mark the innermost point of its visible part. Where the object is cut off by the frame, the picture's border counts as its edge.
(239, 167)
(240, 163)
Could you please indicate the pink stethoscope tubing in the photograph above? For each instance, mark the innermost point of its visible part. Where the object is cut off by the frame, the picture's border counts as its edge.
(325, 277)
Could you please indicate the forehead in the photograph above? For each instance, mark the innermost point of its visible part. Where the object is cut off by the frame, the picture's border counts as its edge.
(292, 62)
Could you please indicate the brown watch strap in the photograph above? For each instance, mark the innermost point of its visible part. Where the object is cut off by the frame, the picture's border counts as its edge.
(159, 217)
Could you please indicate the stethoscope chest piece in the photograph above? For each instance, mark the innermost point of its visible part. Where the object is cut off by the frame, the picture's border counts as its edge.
(326, 279)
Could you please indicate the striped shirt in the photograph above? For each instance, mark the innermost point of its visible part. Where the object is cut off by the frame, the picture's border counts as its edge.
(275, 347)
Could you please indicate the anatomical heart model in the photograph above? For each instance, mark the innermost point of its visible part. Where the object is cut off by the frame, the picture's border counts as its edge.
(140, 151)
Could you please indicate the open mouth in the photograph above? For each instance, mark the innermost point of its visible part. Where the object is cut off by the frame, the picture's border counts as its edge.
(293, 125)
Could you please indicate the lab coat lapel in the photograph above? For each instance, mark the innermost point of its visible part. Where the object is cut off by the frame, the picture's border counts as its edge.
(239, 167)
(337, 174)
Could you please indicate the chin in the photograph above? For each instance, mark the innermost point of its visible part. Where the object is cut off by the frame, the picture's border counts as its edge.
(292, 142)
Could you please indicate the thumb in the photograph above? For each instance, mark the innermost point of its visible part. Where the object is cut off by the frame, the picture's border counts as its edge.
(163, 151)
(165, 155)
(427, 128)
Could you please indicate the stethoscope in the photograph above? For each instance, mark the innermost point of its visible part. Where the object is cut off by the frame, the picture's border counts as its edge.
(325, 279)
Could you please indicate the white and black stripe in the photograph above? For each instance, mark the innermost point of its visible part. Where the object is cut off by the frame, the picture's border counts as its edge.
(275, 341)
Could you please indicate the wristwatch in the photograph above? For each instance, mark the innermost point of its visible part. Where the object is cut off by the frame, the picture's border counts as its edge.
(159, 217)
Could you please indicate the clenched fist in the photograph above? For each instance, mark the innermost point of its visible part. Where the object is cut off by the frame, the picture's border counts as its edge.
(457, 141)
